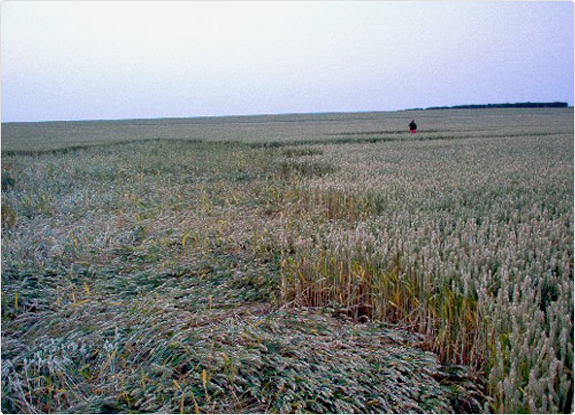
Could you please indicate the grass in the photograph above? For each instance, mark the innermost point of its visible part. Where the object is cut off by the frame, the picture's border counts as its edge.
(323, 263)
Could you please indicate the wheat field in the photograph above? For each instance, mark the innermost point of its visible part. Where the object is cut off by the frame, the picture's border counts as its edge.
(322, 263)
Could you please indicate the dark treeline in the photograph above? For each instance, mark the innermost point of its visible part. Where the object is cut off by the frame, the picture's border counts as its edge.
(507, 105)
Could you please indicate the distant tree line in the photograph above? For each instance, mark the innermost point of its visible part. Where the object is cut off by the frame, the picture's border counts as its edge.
(507, 105)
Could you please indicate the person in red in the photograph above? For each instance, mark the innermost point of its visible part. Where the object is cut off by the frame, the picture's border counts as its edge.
(412, 127)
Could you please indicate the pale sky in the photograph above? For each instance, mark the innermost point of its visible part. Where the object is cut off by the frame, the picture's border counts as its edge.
(70, 60)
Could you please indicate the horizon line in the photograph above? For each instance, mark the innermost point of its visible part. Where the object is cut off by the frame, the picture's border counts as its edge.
(435, 107)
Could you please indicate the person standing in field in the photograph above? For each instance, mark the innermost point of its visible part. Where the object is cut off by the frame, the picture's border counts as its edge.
(412, 127)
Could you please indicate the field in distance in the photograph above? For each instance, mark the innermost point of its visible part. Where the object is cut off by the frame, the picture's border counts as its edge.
(287, 128)
(321, 263)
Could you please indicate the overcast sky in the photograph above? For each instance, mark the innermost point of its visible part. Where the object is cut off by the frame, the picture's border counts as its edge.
(101, 60)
